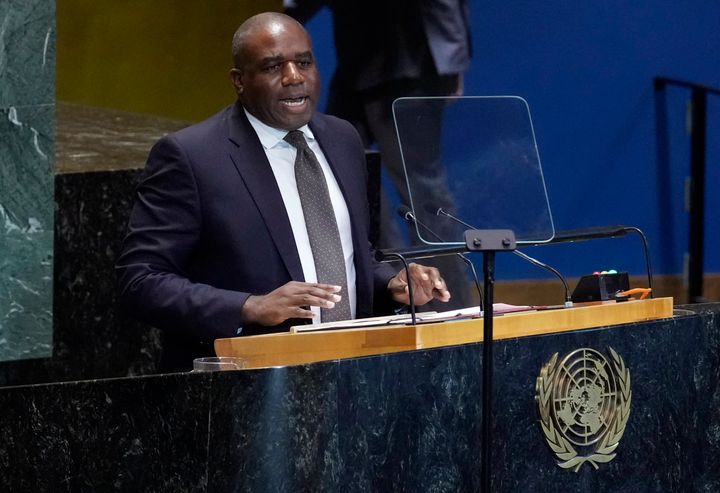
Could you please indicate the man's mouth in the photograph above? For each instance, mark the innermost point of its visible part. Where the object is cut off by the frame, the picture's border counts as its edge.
(299, 101)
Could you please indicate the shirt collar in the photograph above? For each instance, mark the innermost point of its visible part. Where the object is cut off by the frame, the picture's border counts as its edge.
(270, 136)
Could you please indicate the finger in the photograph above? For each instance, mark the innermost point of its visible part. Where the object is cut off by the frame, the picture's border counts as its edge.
(442, 294)
(330, 288)
(419, 272)
(433, 275)
(319, 301)
(301, 312)
(297, 286)
(428, 284)
(316, 293)
(421, 293)
(423, 284)
(326, 291)
(440, 289)
(441, 285)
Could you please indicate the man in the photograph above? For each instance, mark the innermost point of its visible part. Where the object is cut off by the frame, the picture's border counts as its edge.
(221, 241)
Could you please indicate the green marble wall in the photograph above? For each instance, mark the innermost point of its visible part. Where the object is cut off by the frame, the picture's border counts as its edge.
(27, 114)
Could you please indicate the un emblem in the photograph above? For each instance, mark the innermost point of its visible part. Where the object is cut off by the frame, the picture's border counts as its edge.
(584, 404)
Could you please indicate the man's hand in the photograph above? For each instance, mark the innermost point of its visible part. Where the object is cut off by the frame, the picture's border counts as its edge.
(427, 285)
(289, 301)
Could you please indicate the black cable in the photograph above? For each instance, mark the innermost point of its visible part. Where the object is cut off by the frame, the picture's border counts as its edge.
(475, 277)
(537, 263)
(646, 249)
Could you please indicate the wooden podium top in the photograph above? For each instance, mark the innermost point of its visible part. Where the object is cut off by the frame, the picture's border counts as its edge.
(308, 347)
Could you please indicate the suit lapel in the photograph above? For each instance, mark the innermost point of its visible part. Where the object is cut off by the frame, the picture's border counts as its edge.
(246, 153)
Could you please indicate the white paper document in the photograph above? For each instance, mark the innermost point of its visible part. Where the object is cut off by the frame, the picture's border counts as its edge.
(422, 317)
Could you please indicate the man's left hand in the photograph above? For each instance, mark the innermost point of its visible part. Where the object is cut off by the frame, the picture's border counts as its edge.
(426, 283)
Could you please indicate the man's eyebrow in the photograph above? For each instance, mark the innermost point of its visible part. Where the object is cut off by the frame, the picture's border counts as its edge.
(279, 58)
(271, 59)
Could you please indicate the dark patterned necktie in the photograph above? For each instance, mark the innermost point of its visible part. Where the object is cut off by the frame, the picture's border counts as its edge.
(321, 225)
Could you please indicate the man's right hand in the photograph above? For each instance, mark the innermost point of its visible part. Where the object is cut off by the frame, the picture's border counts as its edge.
(288, 301)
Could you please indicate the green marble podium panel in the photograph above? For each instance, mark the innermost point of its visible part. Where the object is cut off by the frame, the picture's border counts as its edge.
(27, 113)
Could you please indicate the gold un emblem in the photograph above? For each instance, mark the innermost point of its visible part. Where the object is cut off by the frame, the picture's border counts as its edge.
(584, 403)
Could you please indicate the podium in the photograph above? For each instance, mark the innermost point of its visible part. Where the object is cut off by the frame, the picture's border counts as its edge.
(407, 420)
(399, 408)
(323, 345)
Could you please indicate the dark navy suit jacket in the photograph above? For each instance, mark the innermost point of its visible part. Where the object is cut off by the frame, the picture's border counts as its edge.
(209, 227)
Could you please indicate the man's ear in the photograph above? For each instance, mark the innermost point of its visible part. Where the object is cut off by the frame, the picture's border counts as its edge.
(236, 79)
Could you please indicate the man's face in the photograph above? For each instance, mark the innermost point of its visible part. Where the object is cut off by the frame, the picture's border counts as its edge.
(278, 83)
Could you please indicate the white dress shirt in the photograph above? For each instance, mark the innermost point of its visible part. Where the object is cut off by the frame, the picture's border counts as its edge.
(282, 161)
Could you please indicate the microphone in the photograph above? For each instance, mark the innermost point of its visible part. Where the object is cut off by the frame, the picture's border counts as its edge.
(423, 251)
(568, 298)
(406, 213)
(614, 231)
(442, 212)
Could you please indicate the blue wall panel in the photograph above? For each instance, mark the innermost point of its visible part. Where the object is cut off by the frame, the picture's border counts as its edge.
(586, 70)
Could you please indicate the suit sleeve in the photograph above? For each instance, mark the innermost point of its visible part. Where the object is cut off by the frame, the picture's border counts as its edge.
(163, 231)
(383, 304)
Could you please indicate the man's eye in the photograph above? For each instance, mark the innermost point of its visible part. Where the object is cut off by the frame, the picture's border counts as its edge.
(304, 63)
(272, 68)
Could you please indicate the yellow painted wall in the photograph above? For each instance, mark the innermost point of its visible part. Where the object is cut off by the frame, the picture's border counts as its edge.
(163, 57)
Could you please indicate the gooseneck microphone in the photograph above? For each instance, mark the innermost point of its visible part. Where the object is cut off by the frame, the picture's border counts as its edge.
(646, 249)
(406, 213)
(598, 232)
(568, 298)
(543, 265)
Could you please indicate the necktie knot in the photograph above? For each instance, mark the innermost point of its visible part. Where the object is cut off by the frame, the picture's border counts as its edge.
(296, 139)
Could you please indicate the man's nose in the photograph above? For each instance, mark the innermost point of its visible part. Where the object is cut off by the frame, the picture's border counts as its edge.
(291, 74)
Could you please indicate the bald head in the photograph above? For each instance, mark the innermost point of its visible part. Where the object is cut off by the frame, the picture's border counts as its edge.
(255, 26)
(275, 76)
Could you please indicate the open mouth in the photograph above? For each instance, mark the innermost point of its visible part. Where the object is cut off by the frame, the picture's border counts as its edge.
(292, 102)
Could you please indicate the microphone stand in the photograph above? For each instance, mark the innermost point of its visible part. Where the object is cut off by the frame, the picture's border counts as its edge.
(402, 259)
(584, 234)
(542, 265)
(488, 242)
(475, 241)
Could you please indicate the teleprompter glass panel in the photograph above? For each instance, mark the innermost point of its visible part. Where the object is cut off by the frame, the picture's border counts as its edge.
(475, 160)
